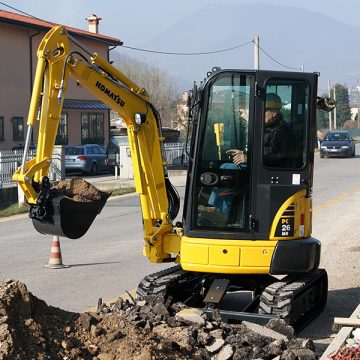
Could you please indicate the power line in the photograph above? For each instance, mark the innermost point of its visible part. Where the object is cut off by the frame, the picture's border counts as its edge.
(187, 53)
(172, 53)
(23, 12)
(148, 50)
(288, 67)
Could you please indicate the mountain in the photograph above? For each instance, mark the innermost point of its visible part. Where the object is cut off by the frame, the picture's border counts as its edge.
(292, 36)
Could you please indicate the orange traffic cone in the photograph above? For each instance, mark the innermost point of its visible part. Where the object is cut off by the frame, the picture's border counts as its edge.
(55, 261)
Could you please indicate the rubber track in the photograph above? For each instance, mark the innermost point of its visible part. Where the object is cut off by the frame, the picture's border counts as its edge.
(277, 299)
(158, 283)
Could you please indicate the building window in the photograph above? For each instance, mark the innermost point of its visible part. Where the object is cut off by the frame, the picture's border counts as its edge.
(2, 136)
(92, 128)
(62, 133)
(18, 128)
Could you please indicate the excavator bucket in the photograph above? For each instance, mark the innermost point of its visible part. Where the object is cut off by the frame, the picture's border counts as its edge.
(69, 218)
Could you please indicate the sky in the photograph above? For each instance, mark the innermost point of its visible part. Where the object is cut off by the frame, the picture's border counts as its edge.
(137, 23)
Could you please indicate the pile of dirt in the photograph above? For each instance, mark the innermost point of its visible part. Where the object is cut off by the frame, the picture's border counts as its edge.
(141, 329)
(79, 190)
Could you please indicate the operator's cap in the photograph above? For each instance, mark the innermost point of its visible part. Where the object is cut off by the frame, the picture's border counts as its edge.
(273, 101)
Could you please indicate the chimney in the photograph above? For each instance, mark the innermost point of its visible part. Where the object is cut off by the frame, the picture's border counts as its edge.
(93, 21)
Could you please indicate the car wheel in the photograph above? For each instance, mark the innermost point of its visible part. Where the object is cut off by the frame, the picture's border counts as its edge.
(321, 156)
(353, 154)
(93, 170)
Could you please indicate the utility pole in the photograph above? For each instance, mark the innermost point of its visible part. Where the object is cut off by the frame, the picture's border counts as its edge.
(256, 53)
(329, 111)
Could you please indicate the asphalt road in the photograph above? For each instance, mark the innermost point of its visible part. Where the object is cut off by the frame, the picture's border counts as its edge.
(336, 219)
(104, 263)
(108, 259)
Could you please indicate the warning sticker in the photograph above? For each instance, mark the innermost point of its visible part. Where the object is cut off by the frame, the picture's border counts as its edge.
(296, 179)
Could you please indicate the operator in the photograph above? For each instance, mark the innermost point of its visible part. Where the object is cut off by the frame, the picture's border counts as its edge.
(278, 137)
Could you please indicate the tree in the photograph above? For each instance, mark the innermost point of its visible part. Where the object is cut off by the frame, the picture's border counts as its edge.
(162, 90)
(343, 111)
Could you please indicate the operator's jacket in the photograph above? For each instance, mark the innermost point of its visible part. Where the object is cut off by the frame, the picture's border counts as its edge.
(278, 144)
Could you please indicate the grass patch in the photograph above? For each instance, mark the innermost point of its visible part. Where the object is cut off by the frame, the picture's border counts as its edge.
(14, 209)
(122, 191)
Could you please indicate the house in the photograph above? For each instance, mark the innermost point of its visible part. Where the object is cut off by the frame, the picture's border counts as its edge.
(182, 111)
(354, 109)
(84, 119)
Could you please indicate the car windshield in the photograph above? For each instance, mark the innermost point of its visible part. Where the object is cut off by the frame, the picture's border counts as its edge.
(74, 151)
(337, 137)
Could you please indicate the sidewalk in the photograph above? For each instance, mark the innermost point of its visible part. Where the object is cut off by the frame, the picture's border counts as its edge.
(110, 183)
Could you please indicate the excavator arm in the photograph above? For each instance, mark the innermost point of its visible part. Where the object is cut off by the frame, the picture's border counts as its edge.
(56, 63)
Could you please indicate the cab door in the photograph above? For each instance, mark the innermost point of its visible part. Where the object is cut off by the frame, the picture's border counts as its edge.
(218, 203)
(276, 177)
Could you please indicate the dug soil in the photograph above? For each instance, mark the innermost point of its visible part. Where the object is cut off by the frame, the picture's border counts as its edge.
(141, 329)
(79, 190)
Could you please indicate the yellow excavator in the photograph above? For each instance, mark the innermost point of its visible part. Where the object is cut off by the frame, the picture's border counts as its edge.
(244, 244)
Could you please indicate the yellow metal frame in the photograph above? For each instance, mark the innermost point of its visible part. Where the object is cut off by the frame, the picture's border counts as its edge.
(55, 64)
(302, 205)
(227, 256)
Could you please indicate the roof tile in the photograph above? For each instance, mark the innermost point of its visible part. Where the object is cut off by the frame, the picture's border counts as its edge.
(7, 16)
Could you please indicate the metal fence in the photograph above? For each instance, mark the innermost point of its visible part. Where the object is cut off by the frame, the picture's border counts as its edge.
(176, 156)
(10, 160)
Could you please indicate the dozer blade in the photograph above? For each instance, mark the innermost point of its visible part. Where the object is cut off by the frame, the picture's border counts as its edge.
(69, 218)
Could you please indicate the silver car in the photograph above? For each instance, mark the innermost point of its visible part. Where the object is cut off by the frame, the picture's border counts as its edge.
(90, 159)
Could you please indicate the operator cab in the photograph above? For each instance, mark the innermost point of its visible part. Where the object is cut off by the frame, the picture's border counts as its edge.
(239, 197)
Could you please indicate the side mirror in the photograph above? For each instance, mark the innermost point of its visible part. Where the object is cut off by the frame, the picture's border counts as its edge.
(325, 104)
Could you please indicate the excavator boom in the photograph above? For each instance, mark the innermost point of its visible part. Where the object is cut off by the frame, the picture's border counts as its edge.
(57, 62)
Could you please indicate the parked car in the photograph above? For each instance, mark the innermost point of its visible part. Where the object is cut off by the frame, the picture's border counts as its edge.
(337, 143)
(90, 159)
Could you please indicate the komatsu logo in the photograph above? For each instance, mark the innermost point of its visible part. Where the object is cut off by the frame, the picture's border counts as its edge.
(110, 94)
